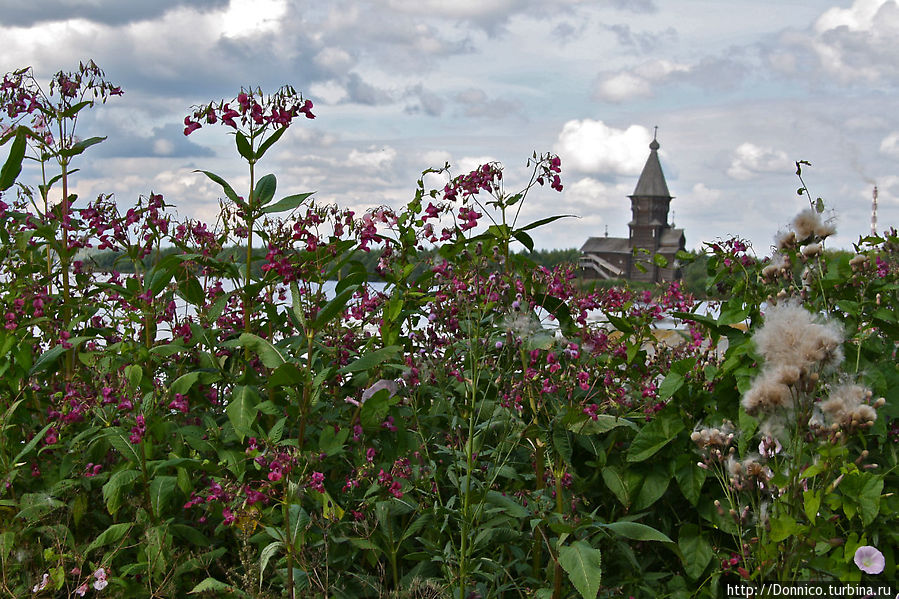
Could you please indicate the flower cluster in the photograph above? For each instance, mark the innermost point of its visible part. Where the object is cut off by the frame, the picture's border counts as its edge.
(253, 110)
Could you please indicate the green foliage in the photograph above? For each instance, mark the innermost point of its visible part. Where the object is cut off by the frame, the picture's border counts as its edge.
(226, 420)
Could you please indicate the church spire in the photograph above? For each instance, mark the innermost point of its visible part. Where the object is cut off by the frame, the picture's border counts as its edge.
(652, 180)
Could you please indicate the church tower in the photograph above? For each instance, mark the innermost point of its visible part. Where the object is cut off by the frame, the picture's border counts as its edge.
(650, 233)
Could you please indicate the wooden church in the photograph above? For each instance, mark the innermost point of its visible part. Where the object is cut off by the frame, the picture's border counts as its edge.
(650, 234)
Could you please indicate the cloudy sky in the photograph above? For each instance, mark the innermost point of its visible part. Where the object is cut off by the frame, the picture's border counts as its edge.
(740, 90)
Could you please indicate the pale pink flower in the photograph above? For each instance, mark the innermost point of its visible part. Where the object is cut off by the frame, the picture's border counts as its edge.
(45, 580)
(869, 559)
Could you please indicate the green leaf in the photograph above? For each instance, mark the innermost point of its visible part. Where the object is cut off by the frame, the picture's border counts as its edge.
(265, 190)
(331, 443)
(298, 521)
(333, 308)
(660, 260)
(690, 478)
(695, 551)
(559, 309)
(13, 165)
(241, 410)
(161, 490)
(784, 526)
(270, 550)
(81, 146)
(113, 534)
(47, 359)
(869, 499)
(134, 374)
(582, 424)
(637, 531)
(32, 443)
(525, 239)
(622, 483)
(287, 374)
(229, 192)
(674, 380)
(375, 409)
(277, 431)
(267, 143)
(546, 221)
(583, 564)
(184, 382)
(561, 441)
(655, 483)
(123, 445)
(811, 501)
(211, 584)
(371, 359)
(112, 490)
(270, 356)
(243, 146)
(288, 203)
(654, 436)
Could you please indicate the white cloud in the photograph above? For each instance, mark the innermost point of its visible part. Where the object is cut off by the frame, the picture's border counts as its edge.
(466, 164)
(858, 17)
(328, 92)
(751, 160)
(163, 147)
(637, 82)
(590, 146)
(252, 17)
(850, 45)
(890, 144)
(704, 195)
(587, 195)
(373, 158)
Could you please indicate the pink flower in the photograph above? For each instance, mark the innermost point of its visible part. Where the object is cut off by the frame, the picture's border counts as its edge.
(100, 583)
(190, 126)
(80, 591)
(45, 580)
(869, 559)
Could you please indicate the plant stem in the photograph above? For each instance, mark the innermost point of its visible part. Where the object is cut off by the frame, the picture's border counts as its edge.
(247, 307)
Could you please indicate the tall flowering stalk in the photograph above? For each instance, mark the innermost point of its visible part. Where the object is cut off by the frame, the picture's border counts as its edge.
(47, 119)
(258, 120)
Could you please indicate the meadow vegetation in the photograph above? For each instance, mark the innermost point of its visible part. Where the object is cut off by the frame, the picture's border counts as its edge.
(192, 420)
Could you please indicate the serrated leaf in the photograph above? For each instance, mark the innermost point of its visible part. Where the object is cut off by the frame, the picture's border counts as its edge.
(636, 531)
(211, 584)
(122, 444)
(287, 203)
(267, 553)
(265, 190)
(371, 359)
(13, 165)
(113, 534)
(112, 490)
(33, 442)
(583, 564)
(161, 490)
(241, 411)
(690, 478)
(270, 355)
(184, 382)
(229, 192)
(333, 308)
(267, 143)
(695, 550)
(243, 146)
(654, 436)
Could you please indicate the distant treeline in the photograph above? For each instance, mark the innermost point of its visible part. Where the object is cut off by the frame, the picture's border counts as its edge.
(109, 260)
(695, 278)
